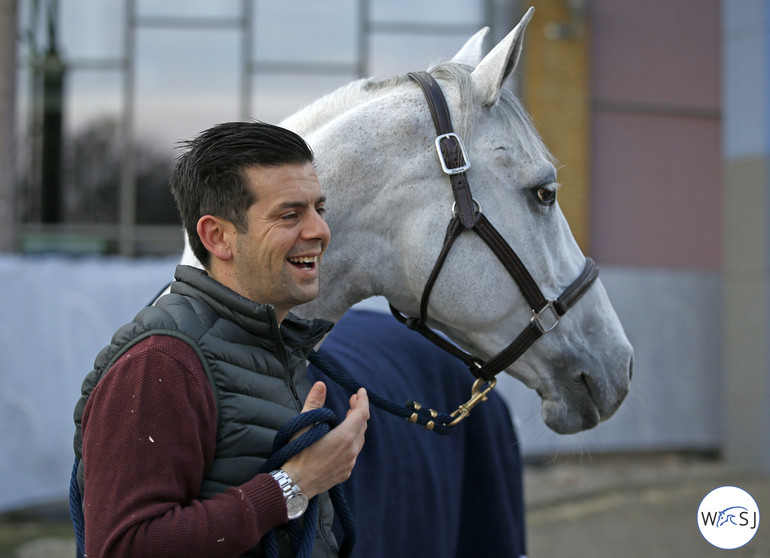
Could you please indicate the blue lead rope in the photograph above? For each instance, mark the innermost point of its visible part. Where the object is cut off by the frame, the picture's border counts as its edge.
(438, 422)
(76, 512)
(302, 537)
(320, 421)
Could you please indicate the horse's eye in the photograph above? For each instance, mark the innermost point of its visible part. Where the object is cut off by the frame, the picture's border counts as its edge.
(546, 196)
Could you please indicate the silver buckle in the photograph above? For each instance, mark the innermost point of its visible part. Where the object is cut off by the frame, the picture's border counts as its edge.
(455, 170)
(537, 318)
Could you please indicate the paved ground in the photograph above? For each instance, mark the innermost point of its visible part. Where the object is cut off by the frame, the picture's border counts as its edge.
(597, 507)
(633, 507)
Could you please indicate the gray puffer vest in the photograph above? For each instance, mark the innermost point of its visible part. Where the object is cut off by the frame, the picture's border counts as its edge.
(257, 372)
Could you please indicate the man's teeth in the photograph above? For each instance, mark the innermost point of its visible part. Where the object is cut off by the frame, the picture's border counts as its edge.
(304, 262)
(304, 259)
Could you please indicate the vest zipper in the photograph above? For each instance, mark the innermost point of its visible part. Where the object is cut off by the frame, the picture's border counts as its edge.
(289, 374)
(284, 356)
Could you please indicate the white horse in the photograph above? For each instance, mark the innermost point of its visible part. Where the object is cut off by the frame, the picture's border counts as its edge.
(388, 207)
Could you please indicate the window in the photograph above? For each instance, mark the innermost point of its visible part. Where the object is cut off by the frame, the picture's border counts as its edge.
(107, 89)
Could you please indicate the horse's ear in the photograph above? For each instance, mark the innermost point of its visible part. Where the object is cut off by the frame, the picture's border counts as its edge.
(494, 69)
(472, 50)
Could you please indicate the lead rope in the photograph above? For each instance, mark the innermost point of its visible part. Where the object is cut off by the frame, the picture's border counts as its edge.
(302, 537)
(76, 512)
(441, 423)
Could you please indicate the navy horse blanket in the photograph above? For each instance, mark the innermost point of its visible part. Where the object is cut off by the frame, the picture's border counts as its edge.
(414, 492)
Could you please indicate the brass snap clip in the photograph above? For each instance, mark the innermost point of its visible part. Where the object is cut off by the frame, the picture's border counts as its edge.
(477, 396)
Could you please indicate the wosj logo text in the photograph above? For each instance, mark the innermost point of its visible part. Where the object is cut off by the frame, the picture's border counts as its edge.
(728, 517)
(734, 515)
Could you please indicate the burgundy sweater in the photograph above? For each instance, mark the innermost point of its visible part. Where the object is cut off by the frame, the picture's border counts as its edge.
(149, 433)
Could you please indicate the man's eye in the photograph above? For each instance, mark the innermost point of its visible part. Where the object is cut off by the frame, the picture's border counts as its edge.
(321, 211)
(289, 216)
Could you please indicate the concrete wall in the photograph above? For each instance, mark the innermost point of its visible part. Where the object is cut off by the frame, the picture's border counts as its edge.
(746, 149)
(656, 134)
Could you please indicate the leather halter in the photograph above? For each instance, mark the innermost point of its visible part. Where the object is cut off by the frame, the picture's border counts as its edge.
(467, 215)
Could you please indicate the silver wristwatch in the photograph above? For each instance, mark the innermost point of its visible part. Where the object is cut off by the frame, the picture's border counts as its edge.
(296, 502)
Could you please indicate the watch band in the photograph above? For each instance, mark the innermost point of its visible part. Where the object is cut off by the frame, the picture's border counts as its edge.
(296, 501)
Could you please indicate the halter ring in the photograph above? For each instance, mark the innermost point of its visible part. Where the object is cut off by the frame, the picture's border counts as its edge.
(454, 207)
(553, 319)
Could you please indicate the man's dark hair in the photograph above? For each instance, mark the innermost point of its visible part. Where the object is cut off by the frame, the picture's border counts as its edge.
(209, 178)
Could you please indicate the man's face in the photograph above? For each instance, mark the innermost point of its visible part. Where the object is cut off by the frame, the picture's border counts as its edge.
(278, 259)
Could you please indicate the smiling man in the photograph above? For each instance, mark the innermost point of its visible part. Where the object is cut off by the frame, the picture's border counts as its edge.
(179, 414)
(275, 257)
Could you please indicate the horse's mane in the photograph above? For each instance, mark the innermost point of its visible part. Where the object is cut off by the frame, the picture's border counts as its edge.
(328, 107)
(510, 109)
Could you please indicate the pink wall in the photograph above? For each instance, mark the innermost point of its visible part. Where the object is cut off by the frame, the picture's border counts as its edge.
(656, 154)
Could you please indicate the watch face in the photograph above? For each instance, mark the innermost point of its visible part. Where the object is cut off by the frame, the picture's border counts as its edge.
(296, 505)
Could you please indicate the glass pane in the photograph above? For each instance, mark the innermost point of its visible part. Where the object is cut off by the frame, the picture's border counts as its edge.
(27, 165)
(427, 11)
(92, 153)
(189, 8)
(24, 101)
(91, 29)
(317, 31)
(32, 37)
(399, 54)
(279, 96)
(90, 96)
(186, 81)
(154, 203)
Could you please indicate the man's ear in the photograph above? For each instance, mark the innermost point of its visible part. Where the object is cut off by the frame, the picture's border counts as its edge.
(217, 236)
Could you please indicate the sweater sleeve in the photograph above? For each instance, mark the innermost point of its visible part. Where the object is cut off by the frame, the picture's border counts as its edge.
(149, 434)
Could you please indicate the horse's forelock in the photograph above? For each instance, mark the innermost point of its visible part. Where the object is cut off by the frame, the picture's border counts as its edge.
(520, 124)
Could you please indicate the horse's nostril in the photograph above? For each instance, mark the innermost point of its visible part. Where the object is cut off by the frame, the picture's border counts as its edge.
(631, 368)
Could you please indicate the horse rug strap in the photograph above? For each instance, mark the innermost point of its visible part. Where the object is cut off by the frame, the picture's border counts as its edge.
(467, 215)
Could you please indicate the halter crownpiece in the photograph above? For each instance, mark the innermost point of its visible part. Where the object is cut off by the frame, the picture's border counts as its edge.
(466, 214)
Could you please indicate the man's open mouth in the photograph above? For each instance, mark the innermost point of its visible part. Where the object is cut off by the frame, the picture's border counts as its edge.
(304, 262)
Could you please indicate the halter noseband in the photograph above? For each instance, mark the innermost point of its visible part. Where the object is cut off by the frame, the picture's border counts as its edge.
(466, 214)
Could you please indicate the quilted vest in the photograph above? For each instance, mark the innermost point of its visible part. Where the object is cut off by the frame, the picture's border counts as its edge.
(257, 373)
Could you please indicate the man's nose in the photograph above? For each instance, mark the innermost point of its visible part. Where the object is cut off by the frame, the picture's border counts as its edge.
(317, 227)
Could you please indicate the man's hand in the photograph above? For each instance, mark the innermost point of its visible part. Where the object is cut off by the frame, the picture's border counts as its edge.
(330, 460)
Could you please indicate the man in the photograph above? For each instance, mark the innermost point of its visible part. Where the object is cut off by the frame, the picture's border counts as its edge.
(180, 411)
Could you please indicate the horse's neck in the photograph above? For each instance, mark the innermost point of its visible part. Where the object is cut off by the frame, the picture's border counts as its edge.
(357, 263)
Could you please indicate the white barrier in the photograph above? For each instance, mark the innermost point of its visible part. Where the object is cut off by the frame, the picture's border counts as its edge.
(57, 313)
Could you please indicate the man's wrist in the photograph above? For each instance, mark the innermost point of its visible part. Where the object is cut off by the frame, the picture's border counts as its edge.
(296, 501)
